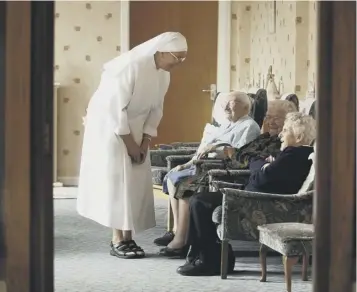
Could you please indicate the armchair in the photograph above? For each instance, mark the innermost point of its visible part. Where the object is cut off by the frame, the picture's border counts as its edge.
(159, 163)
(242, 211)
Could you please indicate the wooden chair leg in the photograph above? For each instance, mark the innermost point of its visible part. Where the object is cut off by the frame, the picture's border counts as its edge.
(289, 262)
(305, 264)
(170, 216)
(263, 262)
(224, 259)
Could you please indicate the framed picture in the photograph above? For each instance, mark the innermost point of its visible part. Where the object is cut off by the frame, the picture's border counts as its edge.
(271, 17)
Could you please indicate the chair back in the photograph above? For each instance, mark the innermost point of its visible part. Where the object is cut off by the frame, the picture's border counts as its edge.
(291, 97)
(259, 106)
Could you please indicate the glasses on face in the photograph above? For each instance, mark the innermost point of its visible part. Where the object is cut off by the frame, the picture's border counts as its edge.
(273, 118)
(180, 60)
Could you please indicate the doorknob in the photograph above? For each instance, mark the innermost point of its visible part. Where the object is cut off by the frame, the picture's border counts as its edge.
(212, 91)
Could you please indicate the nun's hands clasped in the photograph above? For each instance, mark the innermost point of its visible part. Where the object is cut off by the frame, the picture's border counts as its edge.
(144, 148)
(134, 151)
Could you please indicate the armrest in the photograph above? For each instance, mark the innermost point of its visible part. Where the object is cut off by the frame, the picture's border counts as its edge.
(217, 185)
(175, 160)
(164, 147)
(208, 160)
(244, 211)
(235, 176)
(178, 145)
(204, 165)
(158, 157)
(236, 193)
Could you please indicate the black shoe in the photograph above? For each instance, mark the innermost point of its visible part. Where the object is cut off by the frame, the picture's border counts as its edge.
(197, 268)
(165, 240)
(174, 252)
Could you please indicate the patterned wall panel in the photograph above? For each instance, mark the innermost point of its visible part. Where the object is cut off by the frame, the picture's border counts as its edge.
(302, 48)
(291, 49)
(236, 7)
(87, 35)
(240, 44)
(312, 41)
(276, 49)
(244, 46)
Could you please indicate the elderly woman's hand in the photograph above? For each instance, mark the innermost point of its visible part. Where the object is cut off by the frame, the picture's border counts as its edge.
(270, 159)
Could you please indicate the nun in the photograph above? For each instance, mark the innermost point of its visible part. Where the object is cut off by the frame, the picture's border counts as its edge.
(115, 186)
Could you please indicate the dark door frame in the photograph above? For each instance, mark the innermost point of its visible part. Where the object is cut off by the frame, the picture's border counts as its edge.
(27, 98)
(335, 199)
(27, 133)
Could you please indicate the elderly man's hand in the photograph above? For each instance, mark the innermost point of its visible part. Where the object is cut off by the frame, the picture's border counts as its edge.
(207, 149)
(229, 152)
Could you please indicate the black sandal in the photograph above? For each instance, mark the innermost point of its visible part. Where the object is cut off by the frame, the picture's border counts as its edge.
(122, 250)
(139, 252)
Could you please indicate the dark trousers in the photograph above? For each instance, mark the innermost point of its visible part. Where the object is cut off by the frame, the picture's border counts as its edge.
(202, 233)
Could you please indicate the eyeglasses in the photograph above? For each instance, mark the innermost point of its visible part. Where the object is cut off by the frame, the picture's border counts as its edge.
(180, 60)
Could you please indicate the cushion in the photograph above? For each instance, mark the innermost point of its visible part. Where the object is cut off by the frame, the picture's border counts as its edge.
(290, 239)
(217, 215)
(309, 181)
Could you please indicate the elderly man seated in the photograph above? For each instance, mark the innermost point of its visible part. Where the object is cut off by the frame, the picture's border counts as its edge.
(268, 143)
(238, 131)
(264, 145)
(283, 174)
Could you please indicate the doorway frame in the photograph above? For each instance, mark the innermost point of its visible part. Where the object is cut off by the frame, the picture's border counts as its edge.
(223, 80)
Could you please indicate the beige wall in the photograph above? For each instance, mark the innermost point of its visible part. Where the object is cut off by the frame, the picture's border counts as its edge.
(291, 50)
(87, 35)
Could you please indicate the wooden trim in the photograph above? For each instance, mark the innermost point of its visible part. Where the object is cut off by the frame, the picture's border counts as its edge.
(28, 199)
(42, 60)
(17, 145)
(2, 144)
(336, 114)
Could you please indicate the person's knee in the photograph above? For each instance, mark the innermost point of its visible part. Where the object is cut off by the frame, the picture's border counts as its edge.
(195, 201)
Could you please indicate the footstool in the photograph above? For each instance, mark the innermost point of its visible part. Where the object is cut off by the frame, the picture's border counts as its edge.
(292, 240)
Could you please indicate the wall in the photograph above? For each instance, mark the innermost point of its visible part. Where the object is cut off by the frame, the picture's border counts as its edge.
(87, 34)
(291, 49)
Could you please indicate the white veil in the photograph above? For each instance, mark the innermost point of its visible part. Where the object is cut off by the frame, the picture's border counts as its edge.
(165, 42)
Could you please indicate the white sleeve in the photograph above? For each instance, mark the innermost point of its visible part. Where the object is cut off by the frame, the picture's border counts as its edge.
(126, 82)
(156, 113)
(153, 120)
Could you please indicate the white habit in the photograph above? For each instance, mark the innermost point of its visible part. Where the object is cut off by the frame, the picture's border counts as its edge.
(112, 190)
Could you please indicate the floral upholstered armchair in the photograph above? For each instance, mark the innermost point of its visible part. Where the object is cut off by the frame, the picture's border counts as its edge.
(242, 211)
(159, 162)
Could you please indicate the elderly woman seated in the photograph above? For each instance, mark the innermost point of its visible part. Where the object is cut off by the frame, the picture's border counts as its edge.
(264, 145)
(240, 130)
(283, 174)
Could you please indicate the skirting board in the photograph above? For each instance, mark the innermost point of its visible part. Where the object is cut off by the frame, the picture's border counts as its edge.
(68, 180)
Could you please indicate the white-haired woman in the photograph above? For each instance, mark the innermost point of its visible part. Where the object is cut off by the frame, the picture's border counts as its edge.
(284, 174)
(239, 130)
